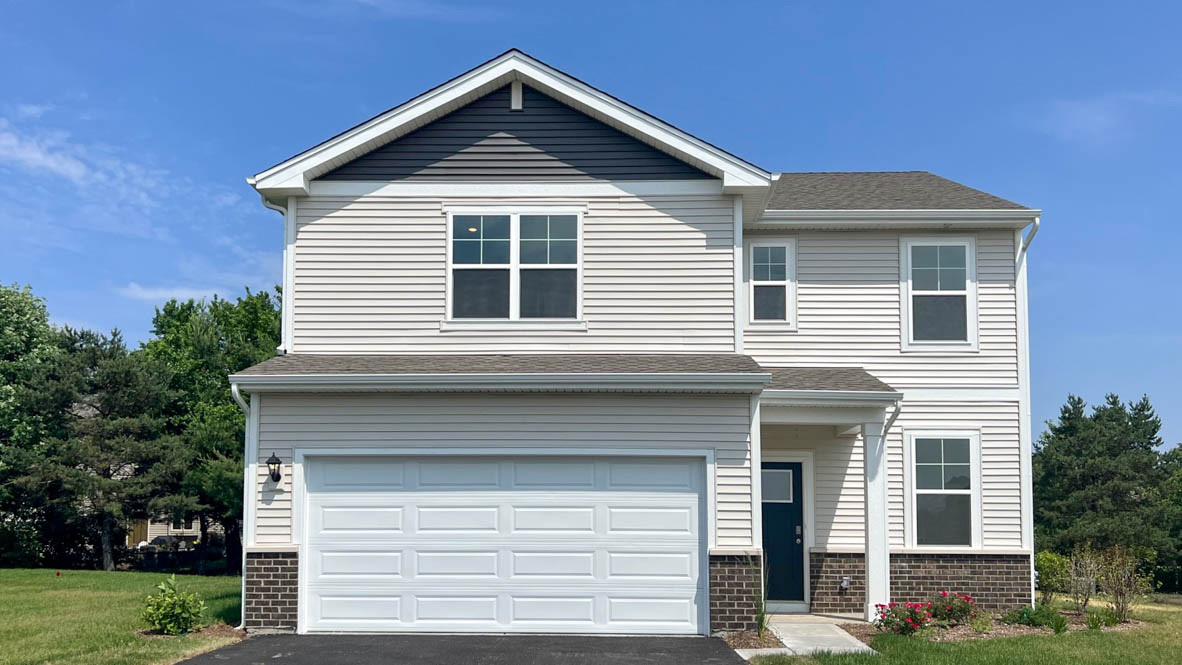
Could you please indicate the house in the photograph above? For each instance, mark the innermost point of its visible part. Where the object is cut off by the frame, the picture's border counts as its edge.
(155, 531)
(550, 364)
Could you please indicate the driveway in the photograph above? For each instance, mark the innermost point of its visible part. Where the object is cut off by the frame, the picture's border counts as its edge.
(470, 650)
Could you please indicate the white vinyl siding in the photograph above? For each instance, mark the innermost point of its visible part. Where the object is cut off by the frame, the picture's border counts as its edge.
(838, 481)
(849, 313)
(597, 421)
(370, 277)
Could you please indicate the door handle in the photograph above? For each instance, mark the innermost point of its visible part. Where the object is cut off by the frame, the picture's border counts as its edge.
(797, 541)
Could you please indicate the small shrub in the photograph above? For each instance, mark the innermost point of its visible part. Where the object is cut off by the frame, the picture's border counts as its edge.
(953, 608)
(903, 618)
(172, 611)
(1085, 569)
(1121, 577)
(981, 622)
(1059, 623)
(1053, 572)
(1042, 616)
(1093, 620)
(1108, 617)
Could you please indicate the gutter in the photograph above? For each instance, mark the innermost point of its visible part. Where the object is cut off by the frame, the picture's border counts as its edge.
(829, 397)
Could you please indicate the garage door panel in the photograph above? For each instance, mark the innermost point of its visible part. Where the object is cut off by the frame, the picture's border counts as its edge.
(506, 545)
(360, 474)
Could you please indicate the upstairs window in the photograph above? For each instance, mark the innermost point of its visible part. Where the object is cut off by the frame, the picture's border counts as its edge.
(772, 285)
(515, 266)
(939, 278)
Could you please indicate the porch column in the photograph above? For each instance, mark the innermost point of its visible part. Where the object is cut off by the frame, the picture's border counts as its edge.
(878, 553)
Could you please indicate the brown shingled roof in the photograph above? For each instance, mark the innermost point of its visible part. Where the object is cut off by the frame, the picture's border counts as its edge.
(879, 190)
(852, 379)
(304, 364)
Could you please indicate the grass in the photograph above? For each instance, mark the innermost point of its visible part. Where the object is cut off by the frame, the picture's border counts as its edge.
(1158, 642)
(88, 617)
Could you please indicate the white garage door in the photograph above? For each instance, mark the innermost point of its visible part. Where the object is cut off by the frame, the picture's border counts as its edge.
(520, 544)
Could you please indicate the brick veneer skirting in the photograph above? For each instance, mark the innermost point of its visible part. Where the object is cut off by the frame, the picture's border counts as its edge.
(735, 584)
(272, 583)
(997, 581)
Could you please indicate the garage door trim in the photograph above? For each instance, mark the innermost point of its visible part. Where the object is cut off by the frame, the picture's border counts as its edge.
(300, 499)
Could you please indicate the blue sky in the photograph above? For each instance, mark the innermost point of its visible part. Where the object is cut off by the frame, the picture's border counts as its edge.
(126, 129)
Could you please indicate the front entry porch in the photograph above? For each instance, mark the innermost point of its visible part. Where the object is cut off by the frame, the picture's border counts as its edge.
(822, 484)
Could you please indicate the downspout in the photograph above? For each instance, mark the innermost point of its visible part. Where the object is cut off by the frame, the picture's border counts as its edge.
(1026, 453)
(282, 210)
(894, 416)
(237, 395)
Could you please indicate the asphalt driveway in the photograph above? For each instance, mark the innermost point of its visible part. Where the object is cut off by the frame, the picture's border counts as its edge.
(470, 650)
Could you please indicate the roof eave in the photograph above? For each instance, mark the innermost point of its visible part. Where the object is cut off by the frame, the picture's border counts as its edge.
(717, 382)
(291, 177)
(996, 217)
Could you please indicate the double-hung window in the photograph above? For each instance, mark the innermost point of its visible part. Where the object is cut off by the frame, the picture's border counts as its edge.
(511, 266)
(772, 298)
(945, 497)
(939, 293)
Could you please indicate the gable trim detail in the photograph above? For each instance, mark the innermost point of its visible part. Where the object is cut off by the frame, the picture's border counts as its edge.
(293, 176)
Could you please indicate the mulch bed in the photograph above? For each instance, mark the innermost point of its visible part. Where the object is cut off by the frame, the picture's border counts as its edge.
(746, 639)
(215, 630)
(865, 632)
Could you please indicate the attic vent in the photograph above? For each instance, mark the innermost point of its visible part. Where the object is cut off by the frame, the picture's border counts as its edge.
(515, 96)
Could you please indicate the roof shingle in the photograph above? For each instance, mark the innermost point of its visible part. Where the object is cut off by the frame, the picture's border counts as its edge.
(852, 379)
(304, 364)
(879, 190)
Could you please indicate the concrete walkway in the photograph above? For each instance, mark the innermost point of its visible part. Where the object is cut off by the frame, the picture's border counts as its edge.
(806, 634)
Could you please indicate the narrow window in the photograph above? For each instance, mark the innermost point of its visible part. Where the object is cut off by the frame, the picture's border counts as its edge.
(549, 291)
(480, 266)
(943, 474)
(771, 283)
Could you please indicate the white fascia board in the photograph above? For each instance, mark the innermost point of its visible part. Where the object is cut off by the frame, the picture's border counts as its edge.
(837, 398)
(786, 219)
(493, 190)
(664, 382)
(295, 173)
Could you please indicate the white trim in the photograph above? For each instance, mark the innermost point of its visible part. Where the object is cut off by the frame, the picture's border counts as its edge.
(290, 233)
(789, 324)
(517, 325)
(909, 490)
(250, 464)
(808, 513)
(299, 499)
(907, 341)
(515, 267)
(876, 514)
(659, 382)
(737, 261)
(927, 550)
(293, 175)
(515, 96)
(755, 442)
(1025, 440)
(495, 190)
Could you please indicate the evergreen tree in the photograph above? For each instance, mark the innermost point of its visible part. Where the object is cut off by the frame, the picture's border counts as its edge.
(1098, 478)
(115, 454)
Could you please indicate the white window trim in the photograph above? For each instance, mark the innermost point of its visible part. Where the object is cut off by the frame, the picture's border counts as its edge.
(909, 490)
(789, 282)
(907, 324)
(514, 322)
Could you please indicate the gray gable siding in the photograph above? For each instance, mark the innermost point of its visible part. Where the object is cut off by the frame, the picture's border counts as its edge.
(546, 140)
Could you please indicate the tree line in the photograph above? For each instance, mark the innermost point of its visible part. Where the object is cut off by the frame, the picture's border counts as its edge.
(95, 435)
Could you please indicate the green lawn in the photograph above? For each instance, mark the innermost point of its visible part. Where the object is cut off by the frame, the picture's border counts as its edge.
(1159, 642)
(88, 617)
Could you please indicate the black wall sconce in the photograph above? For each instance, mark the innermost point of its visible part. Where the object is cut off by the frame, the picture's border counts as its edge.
(275, 466)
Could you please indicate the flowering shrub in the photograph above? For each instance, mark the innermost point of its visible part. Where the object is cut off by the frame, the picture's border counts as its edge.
(953, 608)
(903, 618)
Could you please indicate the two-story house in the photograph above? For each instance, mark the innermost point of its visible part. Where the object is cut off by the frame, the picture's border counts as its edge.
(551, 364)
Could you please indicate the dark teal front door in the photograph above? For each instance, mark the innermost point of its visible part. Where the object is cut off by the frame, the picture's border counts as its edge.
(783, 530)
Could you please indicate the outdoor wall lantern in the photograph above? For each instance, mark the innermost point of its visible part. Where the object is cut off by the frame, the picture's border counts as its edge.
(275, 466)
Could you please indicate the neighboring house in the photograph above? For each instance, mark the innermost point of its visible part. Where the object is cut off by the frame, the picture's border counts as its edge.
(551, 364)
(159, 531)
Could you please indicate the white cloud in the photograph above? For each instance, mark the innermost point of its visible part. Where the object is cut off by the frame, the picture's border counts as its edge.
(49, 152)
(159, 294)
(33, 110)
(1104, 120)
